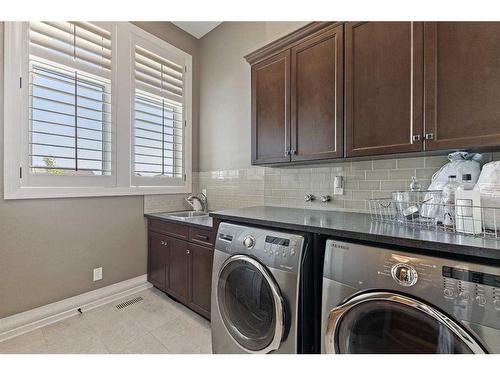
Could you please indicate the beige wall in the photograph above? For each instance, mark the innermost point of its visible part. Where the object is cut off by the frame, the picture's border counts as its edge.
(48, 247)
(225, 90)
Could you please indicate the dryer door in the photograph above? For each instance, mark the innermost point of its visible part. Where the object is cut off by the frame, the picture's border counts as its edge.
(381, 322)
(250, 304)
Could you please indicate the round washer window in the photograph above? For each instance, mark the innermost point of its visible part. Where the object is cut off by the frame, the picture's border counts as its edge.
(247, 305)
(378, 327)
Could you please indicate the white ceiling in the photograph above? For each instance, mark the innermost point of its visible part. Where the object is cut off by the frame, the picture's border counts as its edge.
(197, 28)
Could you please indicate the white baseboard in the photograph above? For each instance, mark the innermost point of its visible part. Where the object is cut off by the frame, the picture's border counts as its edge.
(30, 320)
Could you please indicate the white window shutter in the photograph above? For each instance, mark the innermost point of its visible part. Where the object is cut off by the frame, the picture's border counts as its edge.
(158, 116)
(69, 99)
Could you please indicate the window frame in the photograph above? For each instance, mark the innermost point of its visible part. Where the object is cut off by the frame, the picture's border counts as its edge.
(19, 183)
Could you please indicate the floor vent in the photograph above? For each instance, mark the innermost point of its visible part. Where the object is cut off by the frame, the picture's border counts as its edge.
(128, 303)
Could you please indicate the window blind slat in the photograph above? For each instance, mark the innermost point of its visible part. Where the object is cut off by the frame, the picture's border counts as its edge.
(159, 76)
(148, 58)
(80, 41)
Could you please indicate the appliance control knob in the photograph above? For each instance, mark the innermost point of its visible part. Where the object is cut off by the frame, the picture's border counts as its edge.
(481, 300)
(464, 295)
(404, 274)
(249, 242)
(448, 292)
(496, 303)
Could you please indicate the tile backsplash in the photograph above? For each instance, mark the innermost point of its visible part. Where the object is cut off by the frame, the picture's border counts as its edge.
(287, 186)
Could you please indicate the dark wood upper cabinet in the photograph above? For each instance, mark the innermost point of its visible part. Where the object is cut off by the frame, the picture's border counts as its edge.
(158, 259)
(358, 89)
(384, 87)
(178, 270)
(271, 109)
(317, 96)
(462, 85)
(200, 278)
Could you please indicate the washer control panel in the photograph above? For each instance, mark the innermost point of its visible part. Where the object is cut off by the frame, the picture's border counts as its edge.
(274, 249)
(280, 246)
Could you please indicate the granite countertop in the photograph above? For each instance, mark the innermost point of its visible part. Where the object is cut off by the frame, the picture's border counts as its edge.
(358, 226)
(204, 222)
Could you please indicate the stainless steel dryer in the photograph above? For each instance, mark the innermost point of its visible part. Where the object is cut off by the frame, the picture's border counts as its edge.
(255, 290)
(383, 301)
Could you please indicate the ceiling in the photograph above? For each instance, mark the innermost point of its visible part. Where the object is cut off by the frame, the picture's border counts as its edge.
(197, 28)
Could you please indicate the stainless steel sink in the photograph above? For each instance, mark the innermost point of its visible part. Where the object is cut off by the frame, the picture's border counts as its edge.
(183, 215)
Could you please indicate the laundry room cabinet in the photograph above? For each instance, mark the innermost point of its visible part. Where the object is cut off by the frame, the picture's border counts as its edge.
(371, 89)
(297, 97)
(462, 85)
(180, 262)
(384, 83)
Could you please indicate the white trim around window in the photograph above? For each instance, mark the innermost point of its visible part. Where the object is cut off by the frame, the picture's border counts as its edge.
(19, 180)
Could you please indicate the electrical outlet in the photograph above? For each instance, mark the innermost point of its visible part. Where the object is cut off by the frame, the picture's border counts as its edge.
(97, 274)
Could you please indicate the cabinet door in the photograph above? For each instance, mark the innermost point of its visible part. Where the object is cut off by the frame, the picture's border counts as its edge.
(317, 97)
(178, 270)
(384, 87)
(158, 251)
(200, 278)
(462, 84)
(270, 110)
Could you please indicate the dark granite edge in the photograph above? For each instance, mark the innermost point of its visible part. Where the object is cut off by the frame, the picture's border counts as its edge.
(417, 244)
(155, 216)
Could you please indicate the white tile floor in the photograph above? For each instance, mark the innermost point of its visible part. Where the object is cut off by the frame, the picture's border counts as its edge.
(153, 326)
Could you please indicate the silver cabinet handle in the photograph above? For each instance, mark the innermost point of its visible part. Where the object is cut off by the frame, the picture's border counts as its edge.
(325, 198)
(164, 243)
(416, 138)
(188, 252)
(429, 136)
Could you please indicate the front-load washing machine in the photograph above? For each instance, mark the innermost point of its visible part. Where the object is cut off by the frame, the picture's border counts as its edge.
(256, 282)
(379, 300)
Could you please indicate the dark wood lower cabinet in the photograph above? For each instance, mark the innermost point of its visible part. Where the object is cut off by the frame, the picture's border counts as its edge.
(200, 278)
(158, 260)
(180, 268)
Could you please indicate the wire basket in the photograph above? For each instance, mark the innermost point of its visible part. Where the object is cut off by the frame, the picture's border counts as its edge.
(428, 212)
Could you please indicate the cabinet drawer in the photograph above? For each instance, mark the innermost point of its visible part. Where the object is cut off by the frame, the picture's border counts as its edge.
(201, 236)
(172, 229)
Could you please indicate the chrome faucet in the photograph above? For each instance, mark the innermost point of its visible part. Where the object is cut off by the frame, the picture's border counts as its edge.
(198, 202)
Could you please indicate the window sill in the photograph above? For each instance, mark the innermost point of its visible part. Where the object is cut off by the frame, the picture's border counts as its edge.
(81, 192)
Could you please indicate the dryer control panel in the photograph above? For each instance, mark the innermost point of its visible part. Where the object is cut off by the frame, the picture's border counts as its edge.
(469, 291)
(470, 286)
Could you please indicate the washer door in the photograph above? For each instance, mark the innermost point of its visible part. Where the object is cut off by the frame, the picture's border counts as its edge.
(250, 304)
(380, 322)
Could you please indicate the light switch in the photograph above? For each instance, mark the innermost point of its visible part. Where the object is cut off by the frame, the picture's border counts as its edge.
(338, 185)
